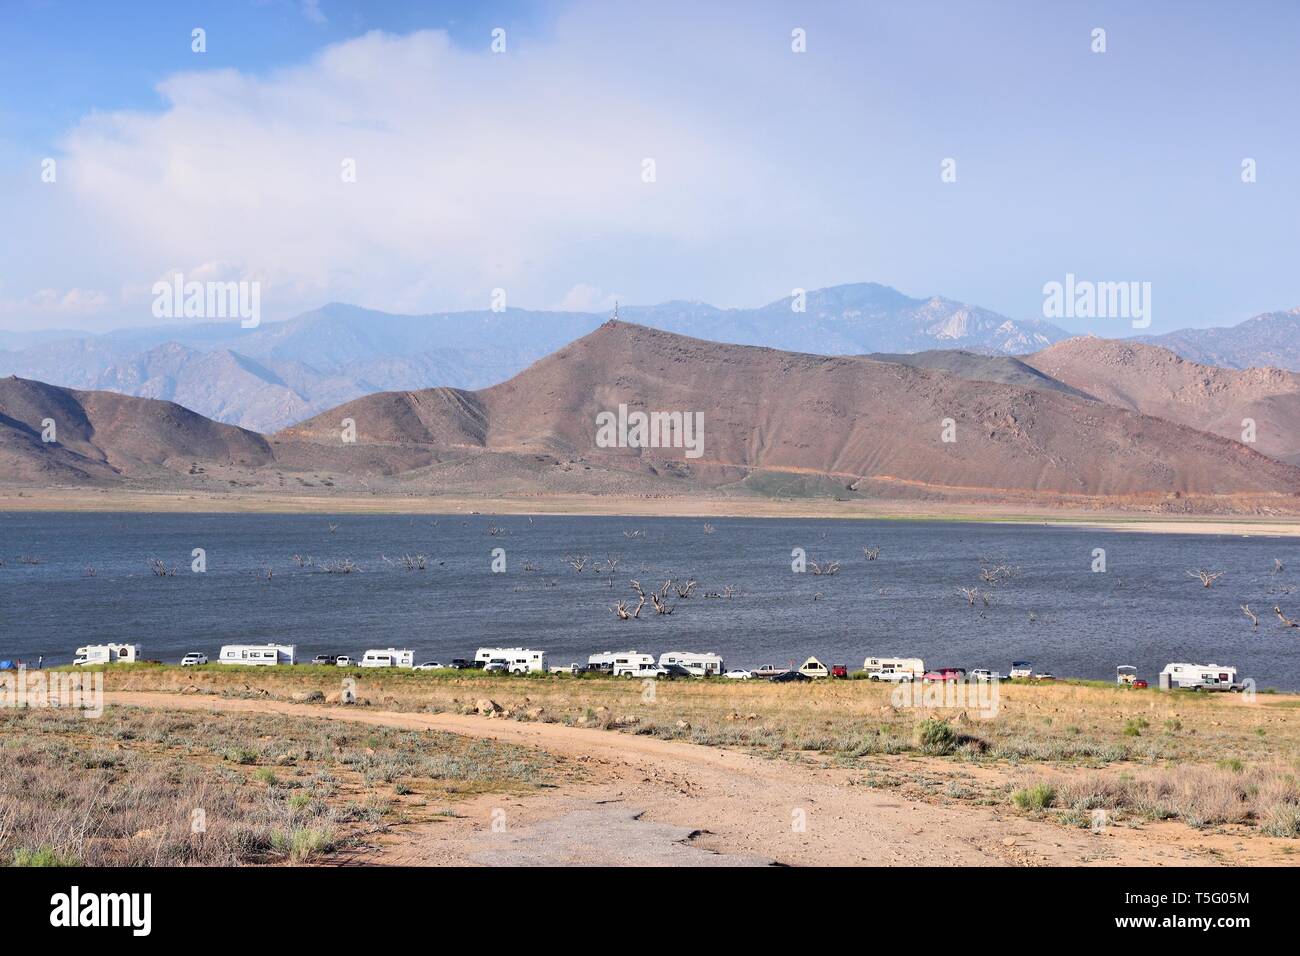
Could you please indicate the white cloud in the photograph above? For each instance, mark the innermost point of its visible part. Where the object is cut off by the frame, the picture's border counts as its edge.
(473, 171)
(59, 302)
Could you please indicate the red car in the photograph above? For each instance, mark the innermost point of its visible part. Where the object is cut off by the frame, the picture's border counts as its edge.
(1140, 683)
(946, 674)
(839, 670)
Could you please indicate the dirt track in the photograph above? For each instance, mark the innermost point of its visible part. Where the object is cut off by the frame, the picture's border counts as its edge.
(658, 802)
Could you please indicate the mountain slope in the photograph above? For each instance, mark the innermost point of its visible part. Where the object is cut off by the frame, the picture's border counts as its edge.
(847, 417)
(104, 436)
(283, 372)
(1155, 381)
(1268, 340)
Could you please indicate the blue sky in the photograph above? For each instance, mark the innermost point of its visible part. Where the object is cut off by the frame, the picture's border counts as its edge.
(522, 170)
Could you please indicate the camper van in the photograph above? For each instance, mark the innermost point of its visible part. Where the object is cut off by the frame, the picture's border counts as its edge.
(1022, 670)
(894, 669)
(107, 654)
(264, 654)
(812, 667)
(625, 664)
(389, 657)
(697, 664)
(1200, 677)
(517, 660)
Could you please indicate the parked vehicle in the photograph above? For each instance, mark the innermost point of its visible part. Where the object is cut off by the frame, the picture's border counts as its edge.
(460, 664)
(840, 670)
(1044, 676)
(770, 671)
(983, 676)
(625, 664)
(428, 666)
(328, 660)
(194, 659)
(519, 660)
(574, 668)
(788, 676)
(738, 674)
(894, 669)
(107, 654)
(388, 657)
(697, 663)
(497, 665)
(1200, 677)
(812, 667)
(1022, 670)
(1126, 674)
(343, 661)
(942, 674)
(263, 654)
(1140, 684)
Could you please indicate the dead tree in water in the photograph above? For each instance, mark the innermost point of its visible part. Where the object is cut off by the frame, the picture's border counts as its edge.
(577, 561)
(1254, 618)
(684, 589)
(1206, 577)
(830, 568)
(623, 611)
(1277, 566)
(871, 553)
(1286, 621)
(660, 599)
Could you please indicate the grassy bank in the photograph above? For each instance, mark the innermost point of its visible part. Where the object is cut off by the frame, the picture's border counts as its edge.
(156, 788)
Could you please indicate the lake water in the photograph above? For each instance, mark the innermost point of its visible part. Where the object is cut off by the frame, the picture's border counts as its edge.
(1054, 610)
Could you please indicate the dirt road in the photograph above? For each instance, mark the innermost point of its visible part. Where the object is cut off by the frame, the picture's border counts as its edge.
(655, 802)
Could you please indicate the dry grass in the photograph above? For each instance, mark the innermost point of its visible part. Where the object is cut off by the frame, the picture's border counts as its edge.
(124, 789)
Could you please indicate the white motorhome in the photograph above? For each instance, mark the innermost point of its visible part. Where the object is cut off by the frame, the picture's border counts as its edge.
(107, 654)
(388, 657)
(1200, 677)
(518, 660)
(894, 669)
(698, 664)
(626, 664)
(264, 654)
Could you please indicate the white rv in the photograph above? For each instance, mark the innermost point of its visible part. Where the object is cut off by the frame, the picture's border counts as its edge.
(894, 669)
(107, 654)
(518, 660)
(626, 664)
(1200, 677)
(699, 664)
(264, 654)
(389, 657)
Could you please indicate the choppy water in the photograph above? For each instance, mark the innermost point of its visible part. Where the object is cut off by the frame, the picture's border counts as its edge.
(1055, 611)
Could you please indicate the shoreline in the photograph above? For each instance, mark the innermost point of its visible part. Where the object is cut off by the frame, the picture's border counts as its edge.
(112, 501)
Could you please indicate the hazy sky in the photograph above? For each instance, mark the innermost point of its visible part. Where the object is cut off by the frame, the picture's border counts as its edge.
(523, 170)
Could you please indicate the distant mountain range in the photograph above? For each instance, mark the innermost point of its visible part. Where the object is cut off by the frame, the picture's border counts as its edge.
(1070, 424)
(281, 373)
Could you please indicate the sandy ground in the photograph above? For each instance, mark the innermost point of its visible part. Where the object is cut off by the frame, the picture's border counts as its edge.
(649, 801)
(84, 499)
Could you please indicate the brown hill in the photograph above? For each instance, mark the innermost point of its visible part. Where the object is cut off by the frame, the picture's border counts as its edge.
(104, 436)
(1155, 381)
(765, 411)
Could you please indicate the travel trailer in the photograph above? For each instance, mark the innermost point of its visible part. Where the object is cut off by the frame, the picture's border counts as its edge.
(894, 669)
(518, 660)
(107, 654)
(1200, 677)
(699, 665)
(1022, 670)
(388, 657)
(625, 664)
(1126, 674)
(812, 667)
(265, 654)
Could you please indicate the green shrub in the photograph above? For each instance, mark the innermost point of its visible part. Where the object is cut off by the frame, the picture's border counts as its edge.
(937, 737)
(1038, 797)
(41, 856)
